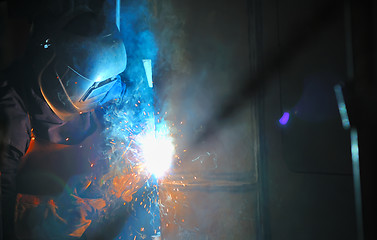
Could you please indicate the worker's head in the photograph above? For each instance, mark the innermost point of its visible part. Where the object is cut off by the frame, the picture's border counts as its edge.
(78, 62)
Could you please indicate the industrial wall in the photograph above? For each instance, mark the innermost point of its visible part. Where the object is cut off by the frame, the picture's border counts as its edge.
(295, 55)
(307, 162)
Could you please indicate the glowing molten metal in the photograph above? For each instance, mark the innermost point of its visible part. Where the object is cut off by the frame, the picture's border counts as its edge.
(158, 151)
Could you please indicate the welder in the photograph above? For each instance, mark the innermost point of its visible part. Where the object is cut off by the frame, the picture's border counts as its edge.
(71, 67)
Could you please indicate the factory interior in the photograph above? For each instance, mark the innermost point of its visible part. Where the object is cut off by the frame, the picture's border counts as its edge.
(236, 120)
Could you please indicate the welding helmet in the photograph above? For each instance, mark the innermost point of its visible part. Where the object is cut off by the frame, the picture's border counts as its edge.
(87, 54)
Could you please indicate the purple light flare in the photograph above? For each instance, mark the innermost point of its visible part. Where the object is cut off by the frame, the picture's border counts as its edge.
(284, 119)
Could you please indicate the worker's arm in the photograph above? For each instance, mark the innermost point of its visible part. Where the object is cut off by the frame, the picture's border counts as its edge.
(46, 167)
(16, 142)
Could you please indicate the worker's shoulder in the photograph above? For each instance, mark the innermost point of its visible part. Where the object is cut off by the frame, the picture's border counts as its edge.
(10, 98)
(12, 108)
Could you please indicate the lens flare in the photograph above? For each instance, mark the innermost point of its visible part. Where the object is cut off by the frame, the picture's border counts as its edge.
(284, 119)
(158, 150)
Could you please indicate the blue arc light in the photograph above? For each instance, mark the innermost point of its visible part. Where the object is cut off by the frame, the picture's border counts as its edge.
(284, 119)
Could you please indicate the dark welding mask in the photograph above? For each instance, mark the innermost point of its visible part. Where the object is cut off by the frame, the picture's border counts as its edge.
(82, 72)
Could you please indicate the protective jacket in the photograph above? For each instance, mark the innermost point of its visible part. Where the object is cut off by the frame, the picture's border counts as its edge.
(29, 116)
